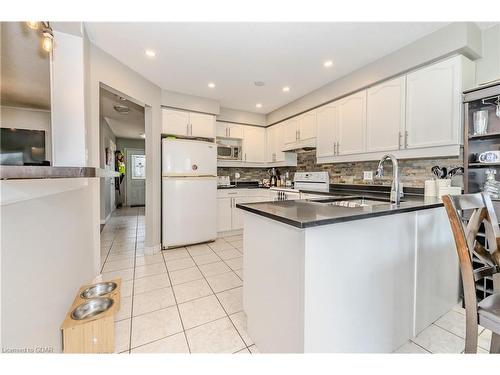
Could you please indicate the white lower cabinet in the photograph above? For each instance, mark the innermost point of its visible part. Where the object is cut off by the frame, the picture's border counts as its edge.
(229, 217)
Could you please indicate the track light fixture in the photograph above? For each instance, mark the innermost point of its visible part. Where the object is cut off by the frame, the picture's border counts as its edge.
(47, 33)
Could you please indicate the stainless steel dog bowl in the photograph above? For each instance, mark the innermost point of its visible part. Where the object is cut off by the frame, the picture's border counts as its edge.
(98, 290)
(91, 307)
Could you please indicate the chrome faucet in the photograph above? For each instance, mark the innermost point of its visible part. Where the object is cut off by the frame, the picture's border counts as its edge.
(396, 191)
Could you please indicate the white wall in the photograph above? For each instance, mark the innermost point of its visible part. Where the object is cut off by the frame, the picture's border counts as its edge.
(241, 117)
(46, 256)
(28, 118)
(456, 38)
(189, 102)
(68, 101)
(105, 69)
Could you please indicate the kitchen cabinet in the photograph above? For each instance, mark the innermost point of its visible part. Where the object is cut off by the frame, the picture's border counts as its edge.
(254, 144)
(275, 143)
(224, 210)
(228, 130)
(307, 126)
(188, 124)
(291, 128)
(433, 105)
(228, 216)
(327, 130)
(385, 123)
(352, 124)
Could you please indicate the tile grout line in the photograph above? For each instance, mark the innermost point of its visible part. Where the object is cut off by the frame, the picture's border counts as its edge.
(133, 286)
(175, 299)
(218, 300)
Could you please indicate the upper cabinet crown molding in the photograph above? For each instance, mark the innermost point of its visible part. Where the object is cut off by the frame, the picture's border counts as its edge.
(187, 124)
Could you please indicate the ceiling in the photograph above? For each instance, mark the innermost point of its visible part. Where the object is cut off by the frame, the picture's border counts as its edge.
(235, 55)
(129, 125)
(25, 78)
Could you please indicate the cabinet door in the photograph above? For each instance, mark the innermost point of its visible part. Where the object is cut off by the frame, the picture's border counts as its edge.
(224, 208)
(221, 129)
(290, 130)
(271, 144)
(175, 122)
(386, 116)
(433, 108)
(235, 131)
(237, 214)
(254, 144)
(352, 124)
(326, 137)
(202, 125)
(307, 125)
(279, 142)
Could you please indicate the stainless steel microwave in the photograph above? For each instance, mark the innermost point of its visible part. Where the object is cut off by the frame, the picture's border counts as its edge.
(228, 152)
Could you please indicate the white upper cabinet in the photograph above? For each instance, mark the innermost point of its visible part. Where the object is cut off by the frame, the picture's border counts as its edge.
(386, 116)
(254, 144)
(352, 124)
(307, 126)
(433, 105)
(175, 122)
(275, 143)
(202, 125)
(327, 123)
(190, 124)
(229, 130)
(291, 130)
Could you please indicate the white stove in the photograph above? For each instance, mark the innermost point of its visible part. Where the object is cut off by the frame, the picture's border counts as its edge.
(314, 181)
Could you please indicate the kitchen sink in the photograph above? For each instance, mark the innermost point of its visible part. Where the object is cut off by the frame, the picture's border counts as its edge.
(353, 202)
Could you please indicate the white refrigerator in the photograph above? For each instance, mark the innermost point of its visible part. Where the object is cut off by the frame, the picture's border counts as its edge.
(189, 192)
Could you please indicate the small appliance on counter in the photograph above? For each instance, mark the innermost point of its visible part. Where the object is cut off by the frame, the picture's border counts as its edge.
(274, 176)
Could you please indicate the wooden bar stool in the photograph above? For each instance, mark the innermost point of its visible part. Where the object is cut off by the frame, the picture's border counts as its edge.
(479, 209)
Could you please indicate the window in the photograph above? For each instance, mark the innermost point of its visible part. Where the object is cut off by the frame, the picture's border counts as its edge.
(138, 167)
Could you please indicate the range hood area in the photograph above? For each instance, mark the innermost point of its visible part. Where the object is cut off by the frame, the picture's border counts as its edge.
(301, 146)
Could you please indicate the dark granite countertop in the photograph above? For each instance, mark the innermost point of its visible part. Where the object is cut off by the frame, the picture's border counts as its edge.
(14, 172)
(310, 213)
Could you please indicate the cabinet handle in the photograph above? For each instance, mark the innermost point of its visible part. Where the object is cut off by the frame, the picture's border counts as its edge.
(187, 129)
(406, 138)
(334, 148)
(245, 156)
(399, 140)
(338, 148)
(299, 133)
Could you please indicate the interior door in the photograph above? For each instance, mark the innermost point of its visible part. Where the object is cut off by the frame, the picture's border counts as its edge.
(174, 122)
(202, 125)
(327, 119)
(352, 124)
(135, 171)
(386, 115)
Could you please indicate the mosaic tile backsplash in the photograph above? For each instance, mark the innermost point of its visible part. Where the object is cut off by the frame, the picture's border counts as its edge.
(413, 171)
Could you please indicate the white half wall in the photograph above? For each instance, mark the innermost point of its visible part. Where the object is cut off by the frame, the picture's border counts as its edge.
(47, 255)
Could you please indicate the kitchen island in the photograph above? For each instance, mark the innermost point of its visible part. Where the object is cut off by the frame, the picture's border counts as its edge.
(321, 277)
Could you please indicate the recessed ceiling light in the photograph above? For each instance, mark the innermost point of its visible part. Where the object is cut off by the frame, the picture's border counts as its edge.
(258, 105)
(259, 83)
(150, 53)
(328, 63)
(286, 89)
(211, 85)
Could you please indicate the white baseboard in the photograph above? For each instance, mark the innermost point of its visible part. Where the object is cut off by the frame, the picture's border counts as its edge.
(107, 218)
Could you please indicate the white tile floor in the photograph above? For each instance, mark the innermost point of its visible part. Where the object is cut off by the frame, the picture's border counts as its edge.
(189, 300)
